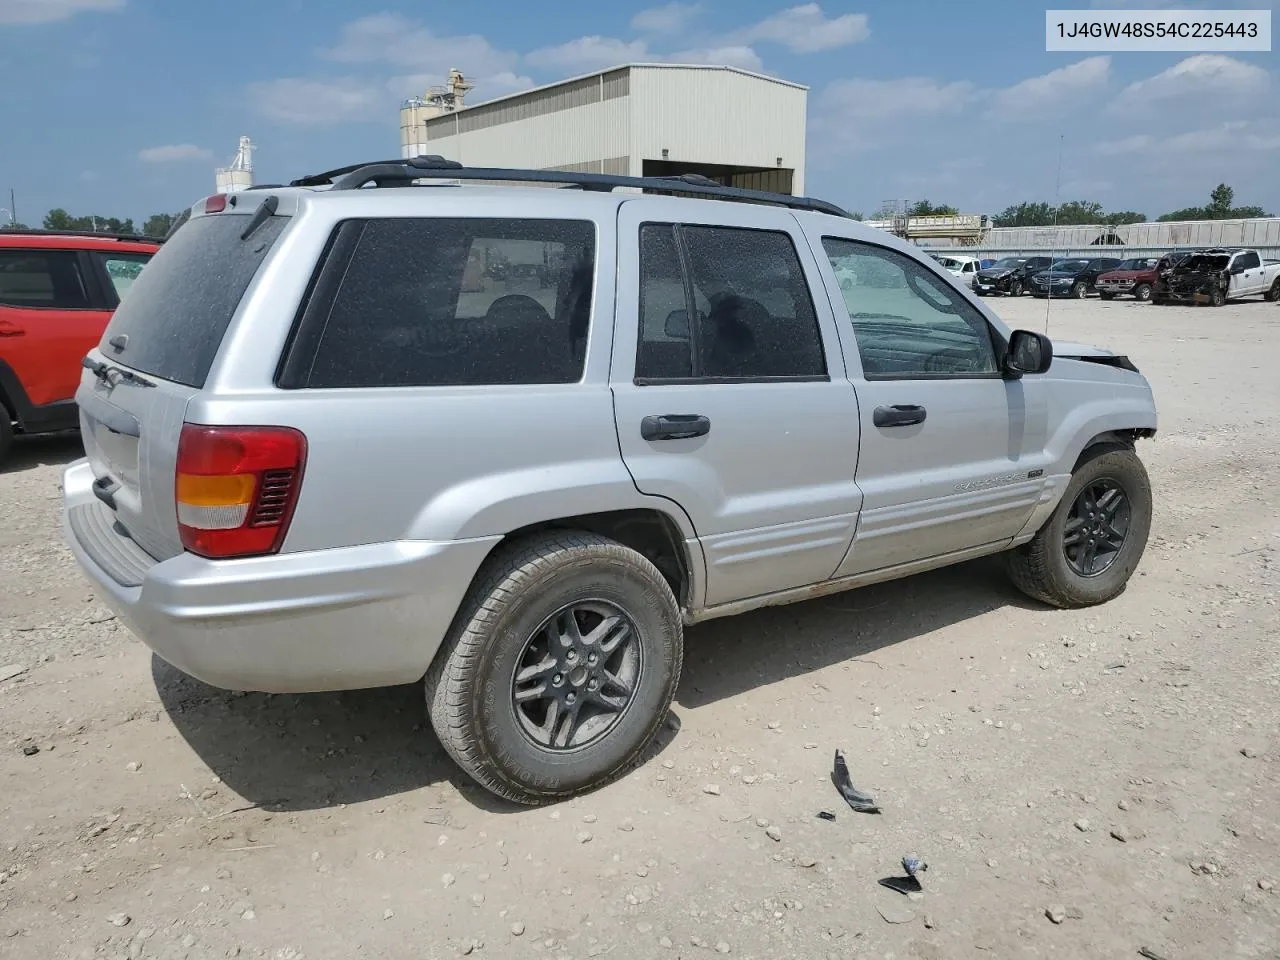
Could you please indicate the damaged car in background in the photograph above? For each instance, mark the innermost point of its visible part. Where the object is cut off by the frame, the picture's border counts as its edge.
(1216, 276)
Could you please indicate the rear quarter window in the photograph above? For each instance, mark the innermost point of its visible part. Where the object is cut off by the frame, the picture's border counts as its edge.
(178, 309)
(432, 302)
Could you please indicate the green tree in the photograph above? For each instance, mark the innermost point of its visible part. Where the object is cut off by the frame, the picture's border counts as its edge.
(59, 219)
(1025, 215)
(923, 208)
(1080, 212)
(158, 224)
(1220, 201)
(1125, 216)
(1220, 207)
(15, 226)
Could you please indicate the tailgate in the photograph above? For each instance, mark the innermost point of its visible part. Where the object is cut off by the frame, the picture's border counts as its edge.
(130, 436)
(155, 356)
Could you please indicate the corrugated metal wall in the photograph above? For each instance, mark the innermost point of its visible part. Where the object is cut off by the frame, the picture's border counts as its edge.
(717, 116)
(587, 133)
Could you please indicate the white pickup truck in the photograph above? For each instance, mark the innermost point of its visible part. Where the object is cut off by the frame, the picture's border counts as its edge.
(1216, 276)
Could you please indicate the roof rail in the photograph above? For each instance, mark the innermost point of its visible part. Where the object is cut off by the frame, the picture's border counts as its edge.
(404, 172)
(131, 237)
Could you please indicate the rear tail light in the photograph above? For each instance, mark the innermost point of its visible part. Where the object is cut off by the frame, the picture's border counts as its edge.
(236, 488)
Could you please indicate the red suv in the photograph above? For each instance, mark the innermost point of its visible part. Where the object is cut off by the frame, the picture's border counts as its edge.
(57, 292)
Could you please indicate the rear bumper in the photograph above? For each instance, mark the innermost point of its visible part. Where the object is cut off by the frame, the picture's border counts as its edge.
(364, 616)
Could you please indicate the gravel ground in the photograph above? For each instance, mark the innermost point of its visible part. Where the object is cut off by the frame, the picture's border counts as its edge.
(1081, 784)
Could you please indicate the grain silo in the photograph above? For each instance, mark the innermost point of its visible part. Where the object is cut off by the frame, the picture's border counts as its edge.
(239, 175)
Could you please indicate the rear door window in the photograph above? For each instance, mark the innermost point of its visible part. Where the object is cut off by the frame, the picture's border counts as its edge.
(177, 310)
(49, 279)
(753, 317)
(456, 302)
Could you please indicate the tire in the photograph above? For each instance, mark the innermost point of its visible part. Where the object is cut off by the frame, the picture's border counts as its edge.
(1274, 293)
(1041, 568)
(470, 688)
(1079, 290)
(1107, 296)
(1015, 288)
(1142, 292)
(6, 433)
(1217, 297)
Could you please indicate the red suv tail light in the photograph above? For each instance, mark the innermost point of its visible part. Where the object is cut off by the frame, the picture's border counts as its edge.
(236, 488)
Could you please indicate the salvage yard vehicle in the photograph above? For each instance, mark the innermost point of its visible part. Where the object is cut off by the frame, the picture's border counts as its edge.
(57, 292)
(963, 268)
(315, 463)
(1071, 277)
(1011, 275)
(1216, 276)
(1135, 277)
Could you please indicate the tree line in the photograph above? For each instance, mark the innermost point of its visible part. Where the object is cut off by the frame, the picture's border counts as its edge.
(1221, 206)
(156, 225)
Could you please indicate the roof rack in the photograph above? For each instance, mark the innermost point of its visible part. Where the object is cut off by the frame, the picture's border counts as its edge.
(403, 172)
(130, 237)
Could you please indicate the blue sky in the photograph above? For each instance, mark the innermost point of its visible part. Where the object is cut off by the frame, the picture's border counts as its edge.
(123, 107)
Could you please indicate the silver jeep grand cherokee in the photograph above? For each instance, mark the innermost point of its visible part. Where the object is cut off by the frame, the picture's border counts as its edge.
(512, 440)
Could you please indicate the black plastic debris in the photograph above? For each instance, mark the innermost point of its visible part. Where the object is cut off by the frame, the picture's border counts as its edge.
(30, 750)
(911, 882)
(827, 815)
(858, 801)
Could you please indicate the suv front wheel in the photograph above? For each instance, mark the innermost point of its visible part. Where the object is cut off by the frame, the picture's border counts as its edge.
(560, 667)
(1090, 546)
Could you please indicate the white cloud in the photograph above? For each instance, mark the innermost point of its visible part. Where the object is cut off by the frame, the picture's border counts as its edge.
(1228, 139)
(671, 18)
(319, 102)
(172, 152)
(589, 53)
(731, 56)
(1203, 75)
(806, 29)
(1023, 100)
(860, 115)
(392, 38)
(50, 11)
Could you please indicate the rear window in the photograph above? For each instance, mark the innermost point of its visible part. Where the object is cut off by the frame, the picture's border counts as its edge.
(455, 302)
(179, 307)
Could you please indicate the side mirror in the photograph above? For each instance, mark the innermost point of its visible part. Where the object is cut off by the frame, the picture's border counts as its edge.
(1028, 353)
(1237, 268)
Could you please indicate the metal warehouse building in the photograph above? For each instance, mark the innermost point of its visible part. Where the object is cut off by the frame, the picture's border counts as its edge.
(740, 128)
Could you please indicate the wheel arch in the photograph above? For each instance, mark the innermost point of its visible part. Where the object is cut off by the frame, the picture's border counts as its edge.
(13, 397)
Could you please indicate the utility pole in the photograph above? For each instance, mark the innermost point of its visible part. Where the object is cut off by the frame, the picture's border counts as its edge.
(13, 208)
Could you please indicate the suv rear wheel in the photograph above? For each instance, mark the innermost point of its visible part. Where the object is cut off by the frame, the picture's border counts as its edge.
(560, 667)
(1090, 546)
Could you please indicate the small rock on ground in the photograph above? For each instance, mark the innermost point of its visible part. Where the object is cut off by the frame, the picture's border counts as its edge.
(712, 789)
(1056, 914)
(774, 834)
(517, 929)
(1083, 825)
(11, 671)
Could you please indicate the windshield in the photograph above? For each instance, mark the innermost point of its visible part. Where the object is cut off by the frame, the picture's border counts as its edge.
(1008, 263)
(1069, 266)
(948, 262)
(1131, 265)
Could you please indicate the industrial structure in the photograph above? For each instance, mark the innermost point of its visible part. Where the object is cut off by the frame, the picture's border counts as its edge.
(736, 127)
(239, 175)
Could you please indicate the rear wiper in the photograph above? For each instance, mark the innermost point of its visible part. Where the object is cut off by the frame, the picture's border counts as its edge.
(103, 372)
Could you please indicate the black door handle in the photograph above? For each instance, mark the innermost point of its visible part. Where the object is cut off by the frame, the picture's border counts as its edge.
(675, 426)
(899, 415)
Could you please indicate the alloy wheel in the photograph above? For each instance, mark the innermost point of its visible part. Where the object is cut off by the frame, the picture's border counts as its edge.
(577, 675)
(1096, 528)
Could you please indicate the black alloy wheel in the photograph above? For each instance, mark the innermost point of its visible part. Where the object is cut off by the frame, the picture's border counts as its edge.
(577, 675)
(1096, 528)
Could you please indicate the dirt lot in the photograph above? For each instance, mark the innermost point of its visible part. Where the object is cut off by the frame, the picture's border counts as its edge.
(1119, 765)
